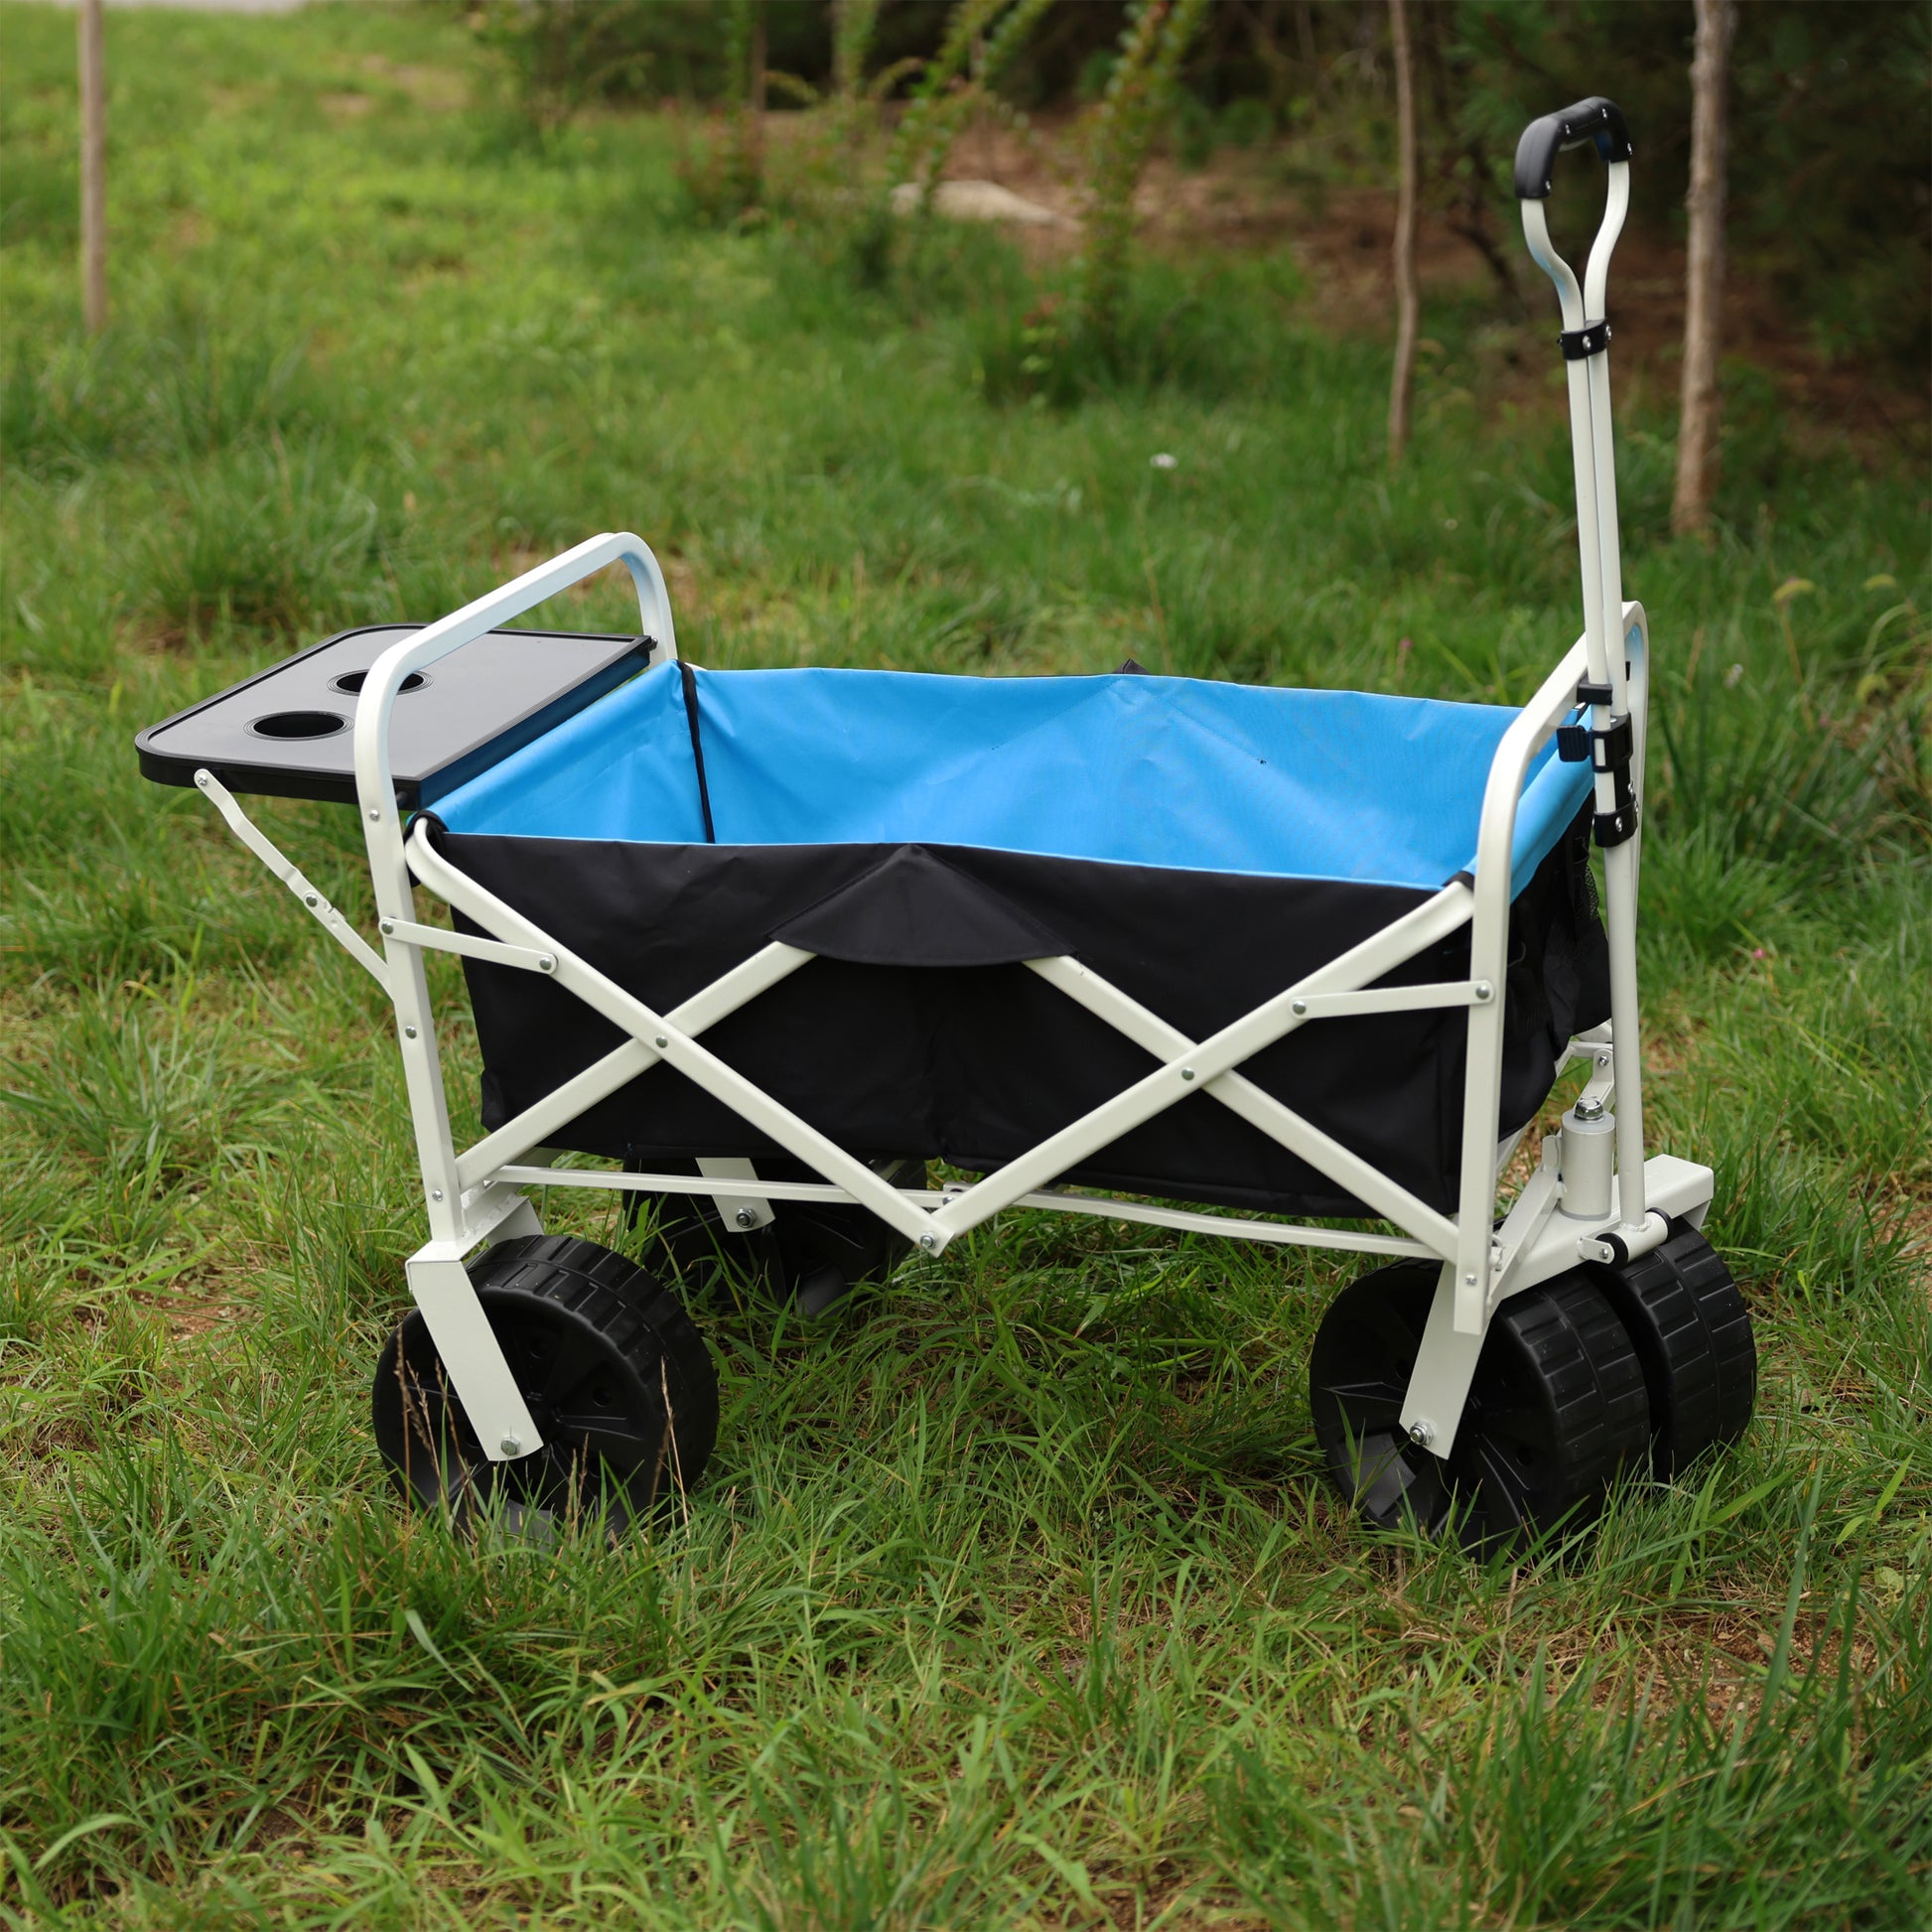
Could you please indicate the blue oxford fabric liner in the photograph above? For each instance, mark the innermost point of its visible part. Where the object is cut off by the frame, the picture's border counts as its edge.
(1199, 845)
(1126, 769)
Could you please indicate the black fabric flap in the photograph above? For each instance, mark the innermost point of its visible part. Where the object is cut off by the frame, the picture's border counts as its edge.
(914, 909)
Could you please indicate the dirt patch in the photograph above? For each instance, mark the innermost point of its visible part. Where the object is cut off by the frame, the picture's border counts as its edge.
(191, 1310)
(437, 90)
(1340, 236)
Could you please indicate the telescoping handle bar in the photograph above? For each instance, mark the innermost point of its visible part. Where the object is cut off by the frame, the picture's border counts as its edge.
(1586, 342)
(1614, 739)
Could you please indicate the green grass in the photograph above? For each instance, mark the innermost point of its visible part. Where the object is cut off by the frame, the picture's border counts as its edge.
(1016, 1599)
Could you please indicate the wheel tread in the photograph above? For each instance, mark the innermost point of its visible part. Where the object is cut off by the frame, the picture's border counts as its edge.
(1557, 1352)
(1693, 1335)
(643, 1322)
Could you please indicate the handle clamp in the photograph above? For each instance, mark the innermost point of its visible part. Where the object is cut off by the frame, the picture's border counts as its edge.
(1578, 344)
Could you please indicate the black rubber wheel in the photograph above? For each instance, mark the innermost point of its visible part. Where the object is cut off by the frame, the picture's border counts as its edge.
(1556, 1411)
(1693, 1335)
(809, 1254)
(617, 1379)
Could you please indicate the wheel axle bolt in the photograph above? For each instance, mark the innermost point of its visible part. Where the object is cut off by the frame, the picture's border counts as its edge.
(1421, 1434)
(512, 1446)
(747, 1217)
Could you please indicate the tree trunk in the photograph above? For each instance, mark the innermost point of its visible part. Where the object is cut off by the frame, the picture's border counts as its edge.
(1304, 38)
(1704, 273)
(1401, 382)
(93, 169)
(757, 92)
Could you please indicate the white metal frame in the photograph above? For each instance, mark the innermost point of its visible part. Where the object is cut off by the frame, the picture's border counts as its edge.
(475, 1195)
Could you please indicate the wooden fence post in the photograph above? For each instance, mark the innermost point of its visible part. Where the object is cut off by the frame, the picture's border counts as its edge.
(94, 170)
(1402, 381)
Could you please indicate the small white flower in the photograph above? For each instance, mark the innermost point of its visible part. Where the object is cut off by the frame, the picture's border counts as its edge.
(1734, 677)
(1164, 461)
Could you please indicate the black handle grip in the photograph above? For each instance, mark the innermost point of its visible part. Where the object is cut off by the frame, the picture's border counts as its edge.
(1597, 120)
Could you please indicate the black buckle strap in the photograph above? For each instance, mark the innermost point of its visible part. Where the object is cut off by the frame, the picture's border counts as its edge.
(1592, 338)
(1612, 747)
(1613, 827)
(1609, 750)
(1611, 753)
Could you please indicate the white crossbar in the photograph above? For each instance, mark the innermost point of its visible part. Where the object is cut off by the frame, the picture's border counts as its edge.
(1256, 1106)
(534, 1126)
(1192, 1067)
(436, 938)
(1396, 999)
(290, 873)
(1055, 1201)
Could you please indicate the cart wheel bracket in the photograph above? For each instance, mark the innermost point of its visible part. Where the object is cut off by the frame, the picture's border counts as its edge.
(738, 1213)
(1614, 1246)
(485, 1382)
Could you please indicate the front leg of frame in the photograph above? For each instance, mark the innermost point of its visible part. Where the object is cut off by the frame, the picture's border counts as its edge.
(1446, 1366)
(471, 1352)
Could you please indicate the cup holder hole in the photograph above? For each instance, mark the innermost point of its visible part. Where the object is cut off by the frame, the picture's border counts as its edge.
(352, 682)
(299, 723)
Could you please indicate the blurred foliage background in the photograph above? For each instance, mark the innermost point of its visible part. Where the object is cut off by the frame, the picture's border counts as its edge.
(1830, 202)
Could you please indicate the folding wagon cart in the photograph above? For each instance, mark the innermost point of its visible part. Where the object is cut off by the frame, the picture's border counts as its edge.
(772, 940)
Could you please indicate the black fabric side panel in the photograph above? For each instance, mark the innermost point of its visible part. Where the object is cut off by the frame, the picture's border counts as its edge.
(914, 909)
(688, 684)
(976, 1060)
(1559, 970)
